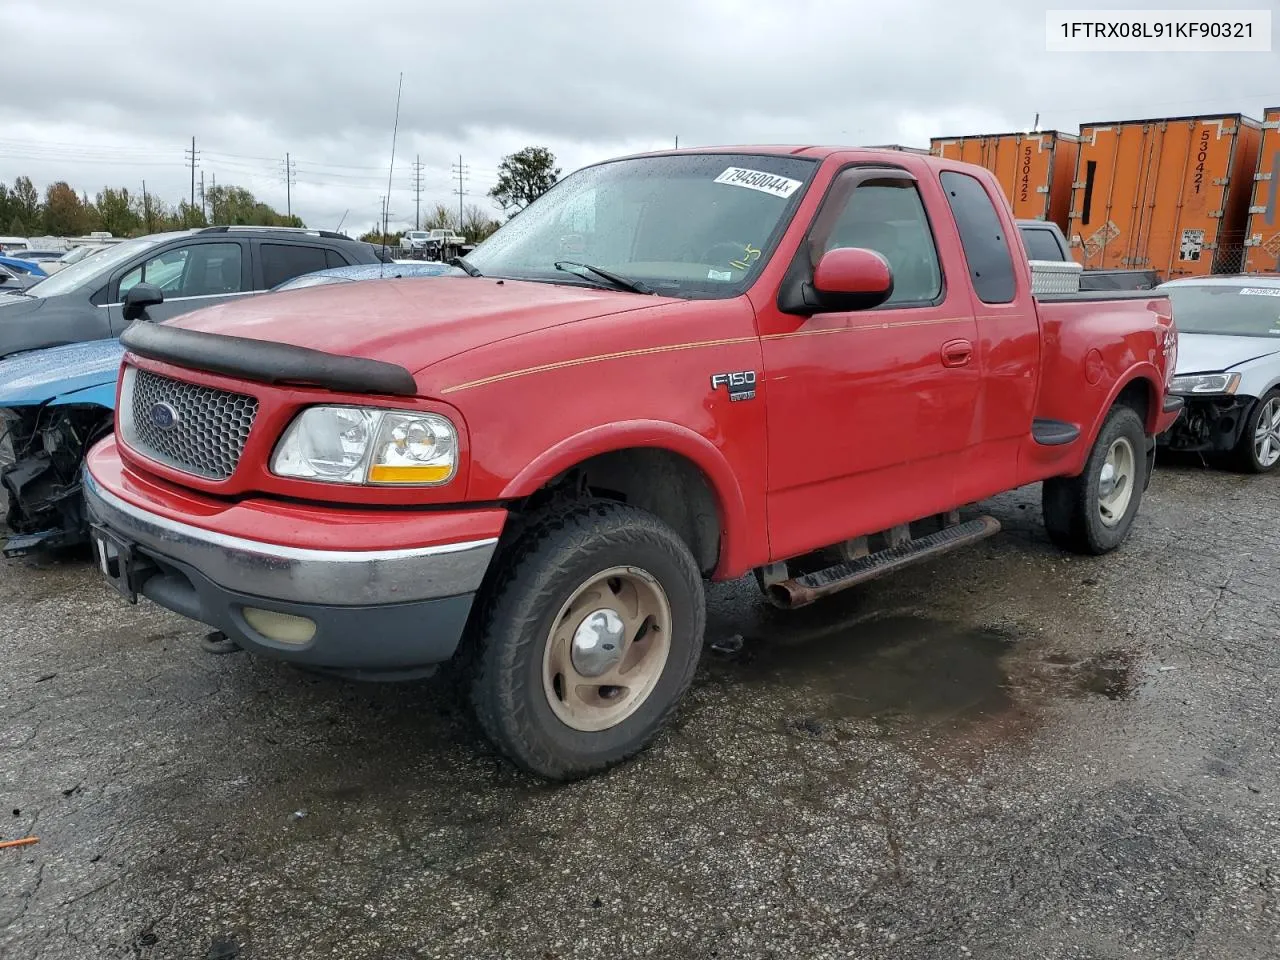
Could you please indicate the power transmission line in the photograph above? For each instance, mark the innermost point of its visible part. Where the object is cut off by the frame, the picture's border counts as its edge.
(290, 179)
(417, 193)
(192, 156)
(461, 172)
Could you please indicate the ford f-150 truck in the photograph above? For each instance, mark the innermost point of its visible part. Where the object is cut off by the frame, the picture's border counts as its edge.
(803, 362)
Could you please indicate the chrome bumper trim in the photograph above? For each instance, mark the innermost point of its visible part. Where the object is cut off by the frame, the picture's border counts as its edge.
(298, 574)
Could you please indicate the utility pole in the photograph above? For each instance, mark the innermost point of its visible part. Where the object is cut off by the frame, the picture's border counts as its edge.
(192, 156)
(417, 192)
(213, 193)
(677, 141)
(146, 206)
(290, 178)
(383, 201)
(462, 172)
(203, 213)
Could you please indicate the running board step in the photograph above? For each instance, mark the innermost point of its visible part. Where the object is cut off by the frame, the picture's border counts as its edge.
(801, 591)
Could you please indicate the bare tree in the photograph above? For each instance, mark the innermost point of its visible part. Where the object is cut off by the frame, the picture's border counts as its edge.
(477, 223)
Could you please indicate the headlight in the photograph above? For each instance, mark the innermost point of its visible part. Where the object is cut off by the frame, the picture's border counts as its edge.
(368, 445)
(1205, 383)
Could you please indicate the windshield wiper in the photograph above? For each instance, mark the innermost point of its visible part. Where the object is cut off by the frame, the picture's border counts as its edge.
(617, 281)
(465, 266)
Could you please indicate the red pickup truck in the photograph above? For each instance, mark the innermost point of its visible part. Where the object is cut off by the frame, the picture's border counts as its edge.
(802, 362)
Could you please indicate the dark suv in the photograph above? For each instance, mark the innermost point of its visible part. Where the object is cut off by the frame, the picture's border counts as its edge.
(165, 274)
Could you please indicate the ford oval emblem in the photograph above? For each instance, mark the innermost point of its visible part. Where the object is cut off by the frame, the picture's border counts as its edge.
(163, 416)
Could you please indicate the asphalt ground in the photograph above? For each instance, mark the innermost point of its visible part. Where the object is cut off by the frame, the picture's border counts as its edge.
(1005, 753)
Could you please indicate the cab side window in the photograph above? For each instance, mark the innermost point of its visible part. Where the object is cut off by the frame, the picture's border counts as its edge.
(888, 216)
(983, 237)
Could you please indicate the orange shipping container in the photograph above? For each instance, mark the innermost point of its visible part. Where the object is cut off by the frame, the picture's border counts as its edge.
(1262, 248)
(1034, 169)
(1168, 195)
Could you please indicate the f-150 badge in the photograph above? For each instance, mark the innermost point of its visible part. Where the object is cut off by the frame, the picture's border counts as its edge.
(740, 385)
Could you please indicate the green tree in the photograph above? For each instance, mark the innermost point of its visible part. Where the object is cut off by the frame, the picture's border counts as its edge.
(236, 206)
(25, 204)
(191, 216)
(523, 177)
(118, 213)
(376, 237)
(64, 212)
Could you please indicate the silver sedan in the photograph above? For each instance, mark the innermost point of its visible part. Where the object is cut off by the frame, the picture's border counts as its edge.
(1228, 368)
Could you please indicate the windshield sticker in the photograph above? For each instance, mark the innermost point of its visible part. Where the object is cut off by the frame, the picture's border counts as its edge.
(724, 275)
(759, 180)
(1260, 291)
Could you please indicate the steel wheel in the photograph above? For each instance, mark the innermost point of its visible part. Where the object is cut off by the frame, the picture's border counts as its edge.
(1266, 438)
(1116, 481)
(606, 649)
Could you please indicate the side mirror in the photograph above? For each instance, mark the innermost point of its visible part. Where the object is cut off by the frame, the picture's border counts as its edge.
(139, 297)
(852, 278)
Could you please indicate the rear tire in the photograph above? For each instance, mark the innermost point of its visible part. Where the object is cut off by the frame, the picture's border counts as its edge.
(601, 572)
(1092, 513)
(1258, 450)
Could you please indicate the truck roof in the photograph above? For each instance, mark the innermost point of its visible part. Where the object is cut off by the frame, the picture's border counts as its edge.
(812, 151)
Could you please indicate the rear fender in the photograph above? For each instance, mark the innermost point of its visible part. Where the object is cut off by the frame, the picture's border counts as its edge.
(1144, 372)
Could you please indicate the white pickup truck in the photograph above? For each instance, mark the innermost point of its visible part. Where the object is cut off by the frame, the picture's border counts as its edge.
(438, 244)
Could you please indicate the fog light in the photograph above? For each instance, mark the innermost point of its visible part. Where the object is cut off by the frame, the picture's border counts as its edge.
(280, 627)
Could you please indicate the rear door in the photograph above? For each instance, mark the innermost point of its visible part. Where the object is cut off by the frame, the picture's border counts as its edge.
(1008, 332)
(278, 261)
(868, 410)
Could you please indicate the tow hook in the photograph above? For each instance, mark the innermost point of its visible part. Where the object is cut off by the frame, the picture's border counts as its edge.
(218, 643)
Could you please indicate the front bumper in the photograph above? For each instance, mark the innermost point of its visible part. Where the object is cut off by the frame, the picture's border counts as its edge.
(1209, 424)
(382, 612)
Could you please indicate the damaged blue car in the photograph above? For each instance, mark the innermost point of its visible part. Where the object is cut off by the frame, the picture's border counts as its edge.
(55, 403)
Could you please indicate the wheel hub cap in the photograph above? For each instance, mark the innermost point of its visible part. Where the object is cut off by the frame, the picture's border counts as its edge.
(1107, 482)
(1115, 482)
(606, 649)
(598, 643)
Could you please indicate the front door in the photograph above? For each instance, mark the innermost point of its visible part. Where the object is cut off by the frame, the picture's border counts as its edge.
(868, 411)
(191, 275)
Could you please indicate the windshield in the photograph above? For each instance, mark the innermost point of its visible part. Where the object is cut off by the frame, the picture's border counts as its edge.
(70, 278)
(1236, 310)
(686, 225)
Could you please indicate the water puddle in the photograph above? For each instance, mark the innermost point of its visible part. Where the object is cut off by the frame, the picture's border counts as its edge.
(887, 667)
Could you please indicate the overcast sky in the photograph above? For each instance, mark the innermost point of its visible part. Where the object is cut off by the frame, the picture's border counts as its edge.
(112, 92)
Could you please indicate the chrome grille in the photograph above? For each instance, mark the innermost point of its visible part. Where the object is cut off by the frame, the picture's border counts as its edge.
(207, 428)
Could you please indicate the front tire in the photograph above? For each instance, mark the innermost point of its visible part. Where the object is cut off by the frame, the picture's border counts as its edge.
(588, 640)
(1092, 513)
(1258, 450)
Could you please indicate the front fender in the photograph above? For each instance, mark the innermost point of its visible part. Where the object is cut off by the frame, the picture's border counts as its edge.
(657, 434)
(101, 395)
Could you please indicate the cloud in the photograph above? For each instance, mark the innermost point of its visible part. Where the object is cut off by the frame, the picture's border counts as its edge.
(112, 93)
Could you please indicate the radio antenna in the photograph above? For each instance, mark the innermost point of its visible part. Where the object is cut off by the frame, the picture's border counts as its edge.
(395, 127)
